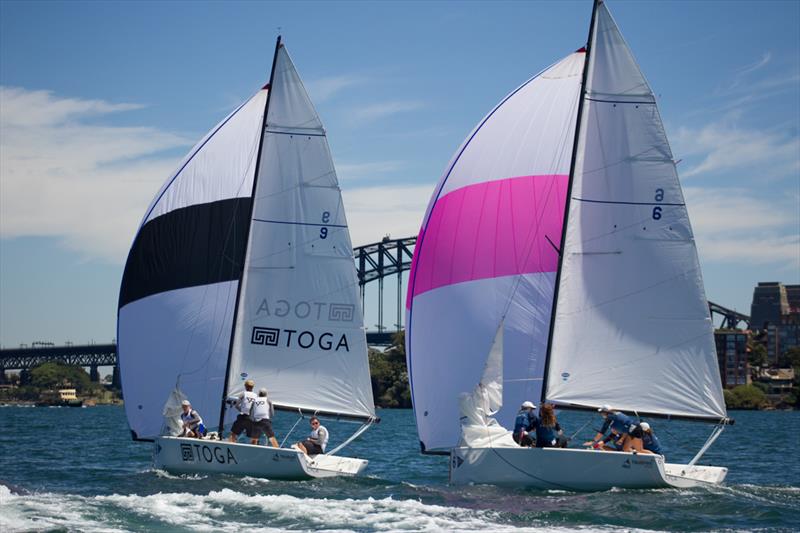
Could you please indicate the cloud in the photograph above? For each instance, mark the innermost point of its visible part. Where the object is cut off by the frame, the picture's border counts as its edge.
(397, 211)
(62, 176)
(723, 146)
(732, 226)
(323, 89)
(372, 170)
(373, 112)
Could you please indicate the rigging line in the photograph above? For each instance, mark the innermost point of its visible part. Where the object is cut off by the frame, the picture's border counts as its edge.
(626, 203)
(302, 416)
(299, 223)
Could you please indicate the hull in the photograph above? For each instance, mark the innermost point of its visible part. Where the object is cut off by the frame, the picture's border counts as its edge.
(192, 456)
(575, 470)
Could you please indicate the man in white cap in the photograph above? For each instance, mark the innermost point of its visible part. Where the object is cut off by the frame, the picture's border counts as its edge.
(192, 422)
(643, 440)
(525, 424)
(262, 420)
(620, 425)
(243, 403)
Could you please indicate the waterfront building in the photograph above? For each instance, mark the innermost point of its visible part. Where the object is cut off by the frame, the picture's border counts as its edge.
(793, 298)
(732, 357)
(778, 381)
(770, 302)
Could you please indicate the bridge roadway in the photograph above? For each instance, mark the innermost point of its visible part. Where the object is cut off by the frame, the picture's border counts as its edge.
(374, 262)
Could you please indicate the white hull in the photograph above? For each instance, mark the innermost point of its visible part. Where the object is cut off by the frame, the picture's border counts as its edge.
(574, 469)
(191, 456)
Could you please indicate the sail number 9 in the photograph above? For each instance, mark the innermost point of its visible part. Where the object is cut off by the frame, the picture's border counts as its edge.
(657, 209)
(323, 232)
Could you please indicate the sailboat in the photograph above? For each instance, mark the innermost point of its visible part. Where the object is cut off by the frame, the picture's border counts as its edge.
(242, 269)
(556, 261)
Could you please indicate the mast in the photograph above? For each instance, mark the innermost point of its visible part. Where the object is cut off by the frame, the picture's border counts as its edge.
(249, 224)
(576, 138)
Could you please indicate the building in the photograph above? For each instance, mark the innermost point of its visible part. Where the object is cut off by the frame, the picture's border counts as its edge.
(732, 357)
(770, 302)
(778, 380)
(793, 298)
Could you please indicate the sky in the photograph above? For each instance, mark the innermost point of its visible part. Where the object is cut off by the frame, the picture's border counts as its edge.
(100, 100)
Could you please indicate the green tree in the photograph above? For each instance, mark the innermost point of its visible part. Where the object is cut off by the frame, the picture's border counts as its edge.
(745, 397)
(758, 354)
(390, 386)
(53, 375)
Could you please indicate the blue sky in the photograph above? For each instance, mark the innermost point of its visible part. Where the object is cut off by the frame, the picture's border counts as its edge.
(99, 101)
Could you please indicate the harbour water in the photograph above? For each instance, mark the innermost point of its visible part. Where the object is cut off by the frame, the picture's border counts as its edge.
(72, 469)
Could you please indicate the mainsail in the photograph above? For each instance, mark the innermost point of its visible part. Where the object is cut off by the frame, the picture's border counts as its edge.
(485, 250)
(632, 327)
(299, 329)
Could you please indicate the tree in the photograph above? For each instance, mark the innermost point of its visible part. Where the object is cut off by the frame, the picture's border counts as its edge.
(53, 375)
(758, 354)
(745, 397)
(390, 386)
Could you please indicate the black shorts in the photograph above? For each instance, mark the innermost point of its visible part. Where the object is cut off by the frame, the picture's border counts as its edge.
(262, 426)
(312, 447)
(241, 424)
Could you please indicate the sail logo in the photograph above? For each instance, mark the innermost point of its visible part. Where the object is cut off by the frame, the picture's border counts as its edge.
(302, 339)
(334, 312)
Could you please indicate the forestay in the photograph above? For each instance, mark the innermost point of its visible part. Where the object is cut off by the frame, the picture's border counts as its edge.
(179, 285)
(299, 328)
(484, 251)
(632, 327)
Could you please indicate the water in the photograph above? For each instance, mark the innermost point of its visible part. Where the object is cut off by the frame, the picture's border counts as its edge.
(77, 469)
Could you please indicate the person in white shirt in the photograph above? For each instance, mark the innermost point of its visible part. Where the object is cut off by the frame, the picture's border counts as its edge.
(243, 403)
(192, 422)
(317, 441)
(261, 415)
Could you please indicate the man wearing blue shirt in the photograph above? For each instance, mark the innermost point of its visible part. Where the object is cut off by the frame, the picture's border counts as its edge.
(619, 423)
(525, 425)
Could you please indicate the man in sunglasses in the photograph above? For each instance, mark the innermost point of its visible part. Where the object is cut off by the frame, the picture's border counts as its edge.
(316, 442)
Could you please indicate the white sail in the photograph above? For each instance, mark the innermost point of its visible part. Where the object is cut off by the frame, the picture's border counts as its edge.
(179, 286)
(632, 327)
(478, 426)
(299, 330)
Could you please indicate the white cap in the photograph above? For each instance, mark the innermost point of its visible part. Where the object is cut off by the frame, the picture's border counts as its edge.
(528, 405)
(185, 402)
(604, 409)
(645, 426)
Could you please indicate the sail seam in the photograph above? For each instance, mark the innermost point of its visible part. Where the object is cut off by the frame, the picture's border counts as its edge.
(302, 223)
(615, 202)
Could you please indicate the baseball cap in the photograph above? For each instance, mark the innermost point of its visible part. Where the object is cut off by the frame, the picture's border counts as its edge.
(528, 405)
(185, 402)
(604, 409)
(645, 426)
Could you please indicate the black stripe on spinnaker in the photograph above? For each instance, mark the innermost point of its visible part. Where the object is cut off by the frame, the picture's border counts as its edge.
(188, 247)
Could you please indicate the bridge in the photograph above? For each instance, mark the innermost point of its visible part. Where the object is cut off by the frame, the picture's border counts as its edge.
(375, 262)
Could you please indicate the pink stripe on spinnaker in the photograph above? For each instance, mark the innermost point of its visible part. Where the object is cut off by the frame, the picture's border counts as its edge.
(488, 230)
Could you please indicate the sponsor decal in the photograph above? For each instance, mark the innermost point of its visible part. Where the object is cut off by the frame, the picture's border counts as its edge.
(457, 461)
(291, 338)
(333, 312)
(565, 376)
(210, 454)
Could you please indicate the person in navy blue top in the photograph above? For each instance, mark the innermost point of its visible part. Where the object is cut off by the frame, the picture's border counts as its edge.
(548, 430)
(643, 440)
(619, 423)
(525, 425)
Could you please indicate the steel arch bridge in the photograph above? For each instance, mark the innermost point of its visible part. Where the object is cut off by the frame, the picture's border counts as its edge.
(374, 262)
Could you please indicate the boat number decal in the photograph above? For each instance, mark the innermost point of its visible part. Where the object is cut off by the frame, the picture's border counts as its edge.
(207, 453)
(323, 232)
(657, 209)
(303, 339)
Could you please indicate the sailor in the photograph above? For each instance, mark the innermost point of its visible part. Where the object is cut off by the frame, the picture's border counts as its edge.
(525, 424)
(548, 430)
(192, 422)
(619, 422)
(262, 413)
(243, 403)
(644, 440)
(317, 441)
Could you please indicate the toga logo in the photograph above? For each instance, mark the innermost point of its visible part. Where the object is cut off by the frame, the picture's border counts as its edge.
(265, 336)
(300, 339)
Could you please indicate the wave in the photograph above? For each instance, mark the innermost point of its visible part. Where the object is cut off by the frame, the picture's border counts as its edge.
(230, 510)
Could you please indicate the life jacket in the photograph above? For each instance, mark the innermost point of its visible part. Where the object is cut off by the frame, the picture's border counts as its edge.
(192, 414)
(319, 436)
(525, 420)
(546, 436)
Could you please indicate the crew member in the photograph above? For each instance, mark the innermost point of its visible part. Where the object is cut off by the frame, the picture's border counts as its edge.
(192, 422)
(317, 440)
(644, 440)
(619, 422)
(525, 424)
(243, 403)
(548, 430)
(261, 419)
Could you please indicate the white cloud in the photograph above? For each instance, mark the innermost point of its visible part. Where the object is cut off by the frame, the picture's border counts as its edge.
(373, 112)
(370, 170)
(323, 89)
(733, 227)
(397, 211)
(725, 147)
(65, 177)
